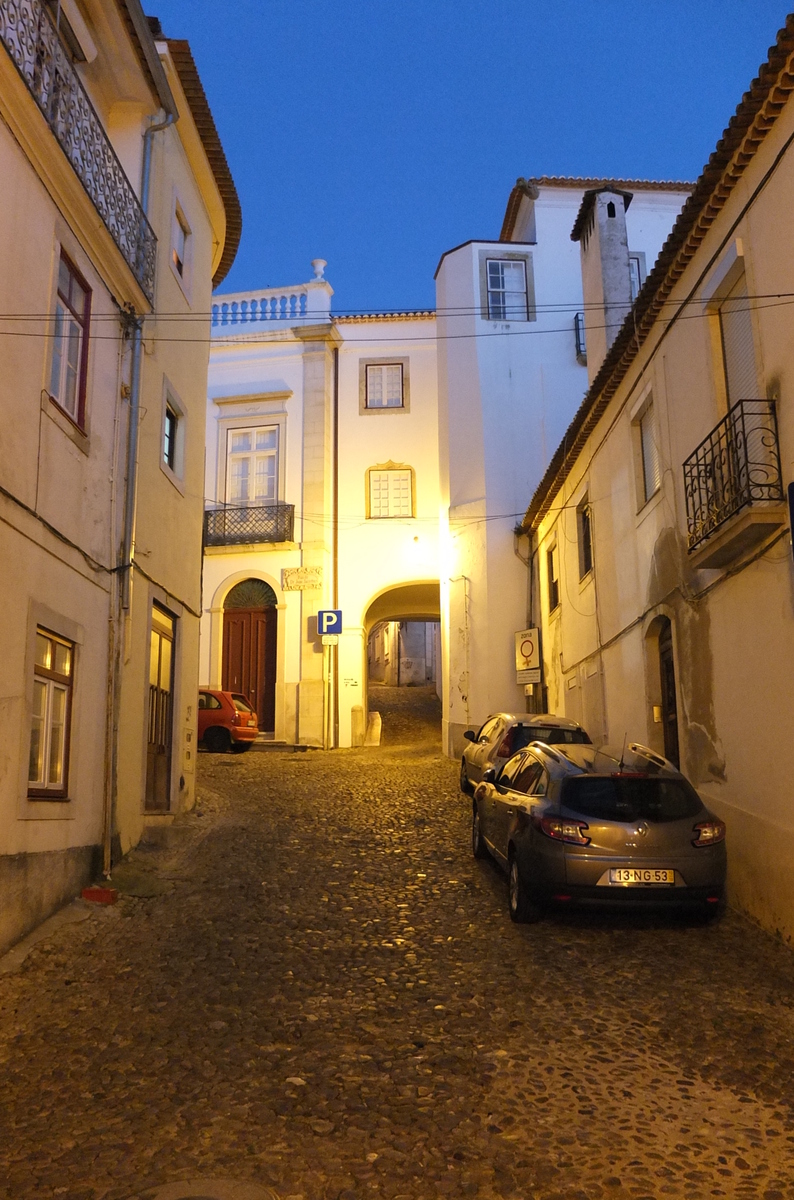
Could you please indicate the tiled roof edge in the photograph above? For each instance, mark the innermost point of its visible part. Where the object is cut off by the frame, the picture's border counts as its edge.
(747, 127)
(526, 187)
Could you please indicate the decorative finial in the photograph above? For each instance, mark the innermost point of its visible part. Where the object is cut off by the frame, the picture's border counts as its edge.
(319, 265)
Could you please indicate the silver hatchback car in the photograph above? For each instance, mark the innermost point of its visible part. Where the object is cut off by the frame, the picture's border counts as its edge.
(505, 733)
(572, 824)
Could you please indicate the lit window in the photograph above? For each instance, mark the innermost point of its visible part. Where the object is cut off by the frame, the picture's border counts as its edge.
(70, 342)
(507, 290)
(385, 385)
(49, 727)
(252, 465)
(584, 523)
(169, 437)
(390, 493)
(649, 448)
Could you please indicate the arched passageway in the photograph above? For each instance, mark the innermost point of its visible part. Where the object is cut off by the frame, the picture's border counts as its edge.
(402, 630)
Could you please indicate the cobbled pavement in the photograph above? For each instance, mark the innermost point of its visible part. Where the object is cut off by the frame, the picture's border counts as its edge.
(314, 987)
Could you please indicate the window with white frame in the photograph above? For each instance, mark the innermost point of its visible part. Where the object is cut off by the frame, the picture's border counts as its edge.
(507, 289)
(68, 369)
(649, 452)
(170, 429)
(584, 531)
(252, 465)
(49, 726)
(180, 243)
(738, 348)
(384, 385)
(636, 274)
(390, 492)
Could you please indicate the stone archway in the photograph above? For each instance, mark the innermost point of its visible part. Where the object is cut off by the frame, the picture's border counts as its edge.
(250, 621)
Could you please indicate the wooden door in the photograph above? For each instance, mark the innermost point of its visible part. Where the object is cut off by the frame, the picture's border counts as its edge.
(669, 704)
(161, 717)
(249, 659)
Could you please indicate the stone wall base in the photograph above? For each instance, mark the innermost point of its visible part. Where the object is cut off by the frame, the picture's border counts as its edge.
(33, 886)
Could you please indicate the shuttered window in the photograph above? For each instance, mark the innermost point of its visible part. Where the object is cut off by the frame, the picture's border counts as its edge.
(649, 445)
(741, 374)
(390, 494)
(385, 385)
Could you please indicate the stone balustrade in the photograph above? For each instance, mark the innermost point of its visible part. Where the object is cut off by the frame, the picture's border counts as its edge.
(247, 312)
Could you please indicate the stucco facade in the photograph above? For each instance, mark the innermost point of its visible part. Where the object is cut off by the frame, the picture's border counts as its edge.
(286, 375)
(677, 631)
(83, 265)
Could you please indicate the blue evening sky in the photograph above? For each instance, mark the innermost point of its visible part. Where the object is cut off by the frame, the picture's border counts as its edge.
(378, 133)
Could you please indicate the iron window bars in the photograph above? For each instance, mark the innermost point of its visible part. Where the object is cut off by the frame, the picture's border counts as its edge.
(29, 36)
(736, 465)
(241, 525)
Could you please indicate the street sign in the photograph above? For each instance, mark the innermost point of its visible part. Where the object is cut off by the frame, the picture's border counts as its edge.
(528, 656)
(329, 620)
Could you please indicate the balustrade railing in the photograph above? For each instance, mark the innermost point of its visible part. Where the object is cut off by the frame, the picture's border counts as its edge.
(736, 465)
(237, 313)
(230, 525)
(31, 40)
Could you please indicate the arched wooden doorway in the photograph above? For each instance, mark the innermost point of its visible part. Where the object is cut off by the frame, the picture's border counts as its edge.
(669, 702)
(249, 647)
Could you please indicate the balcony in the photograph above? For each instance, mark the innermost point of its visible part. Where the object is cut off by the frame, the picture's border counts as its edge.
(249, 524)
(733, 486)
(29, 36)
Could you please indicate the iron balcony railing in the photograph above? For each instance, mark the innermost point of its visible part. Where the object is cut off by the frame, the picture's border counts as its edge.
(736, 465)
(231, 526)
(30, 37)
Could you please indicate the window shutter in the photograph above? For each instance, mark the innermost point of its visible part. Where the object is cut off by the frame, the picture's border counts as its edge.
(651, 466)
(741, 375)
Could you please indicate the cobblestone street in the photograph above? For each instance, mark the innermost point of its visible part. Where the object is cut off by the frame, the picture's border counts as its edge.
(314, 987)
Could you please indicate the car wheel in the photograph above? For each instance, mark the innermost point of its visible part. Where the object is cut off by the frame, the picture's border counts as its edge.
(465, 785)
(523, 908)
(477, 844)
(218, 740)
(240, 747)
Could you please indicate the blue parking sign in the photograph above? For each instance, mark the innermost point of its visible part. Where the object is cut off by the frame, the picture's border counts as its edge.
(329, 620)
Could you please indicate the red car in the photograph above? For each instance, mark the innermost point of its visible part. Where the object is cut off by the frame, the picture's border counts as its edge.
(226, 721)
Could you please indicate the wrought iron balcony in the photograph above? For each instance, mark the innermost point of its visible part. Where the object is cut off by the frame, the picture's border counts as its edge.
(736, 466)
(248, 524)
(29, 36)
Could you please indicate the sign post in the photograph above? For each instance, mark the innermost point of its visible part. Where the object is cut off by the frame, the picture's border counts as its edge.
(329, 626)
(528, 656)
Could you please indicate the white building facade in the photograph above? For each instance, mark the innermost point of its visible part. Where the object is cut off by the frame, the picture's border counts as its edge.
(322, 490)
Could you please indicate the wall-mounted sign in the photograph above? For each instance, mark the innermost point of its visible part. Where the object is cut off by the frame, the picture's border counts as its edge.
(528, 656)
(302, 579)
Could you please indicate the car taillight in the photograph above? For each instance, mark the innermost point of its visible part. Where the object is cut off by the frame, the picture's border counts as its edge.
(563, 830)
(506, 747)
(708, 833)
(236, 719)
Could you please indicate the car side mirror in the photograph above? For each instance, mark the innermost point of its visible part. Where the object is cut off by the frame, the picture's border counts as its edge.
(489, 775)
(470, 736)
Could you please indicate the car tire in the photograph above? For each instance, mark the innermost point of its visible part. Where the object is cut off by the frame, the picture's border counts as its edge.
(218, 740)
(240, 747)
(523, 909)
(478, 847)
(465, 785)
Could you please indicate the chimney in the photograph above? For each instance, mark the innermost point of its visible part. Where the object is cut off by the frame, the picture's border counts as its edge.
(600, 230)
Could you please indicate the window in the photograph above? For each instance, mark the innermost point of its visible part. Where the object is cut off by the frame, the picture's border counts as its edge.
(207, 701)
(636, 274)
(252, 465)
(736, 328)
(169, 437)
(384, 385)
(553, 578)
(584, 531)
(579, 336)
(49, 729)
(529, 776)
(390, 493)
(507, 290)
(649, 449)
(70, 342)
(180, 244)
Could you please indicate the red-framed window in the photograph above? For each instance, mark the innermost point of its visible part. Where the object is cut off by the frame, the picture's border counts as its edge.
(69, 369)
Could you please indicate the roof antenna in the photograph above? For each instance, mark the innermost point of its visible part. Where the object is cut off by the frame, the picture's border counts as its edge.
(623, 752)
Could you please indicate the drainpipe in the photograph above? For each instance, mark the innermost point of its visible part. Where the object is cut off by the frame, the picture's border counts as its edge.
(335, 546)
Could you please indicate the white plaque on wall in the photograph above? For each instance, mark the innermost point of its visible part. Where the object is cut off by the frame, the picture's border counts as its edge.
(302, 579)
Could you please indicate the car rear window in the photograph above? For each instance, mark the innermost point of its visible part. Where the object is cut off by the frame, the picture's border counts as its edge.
(241, 704)
(624, 799)
(550, 735)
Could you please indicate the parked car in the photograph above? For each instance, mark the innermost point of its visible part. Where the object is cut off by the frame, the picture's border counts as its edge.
(505, 733)
(572, 824)
(226, 721)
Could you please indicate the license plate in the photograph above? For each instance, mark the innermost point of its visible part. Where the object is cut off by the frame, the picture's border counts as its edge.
(637, 876)
(251, 721)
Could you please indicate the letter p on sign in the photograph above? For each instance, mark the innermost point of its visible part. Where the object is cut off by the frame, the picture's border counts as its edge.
(329, 620)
